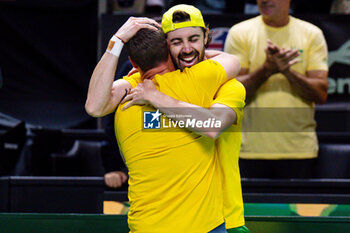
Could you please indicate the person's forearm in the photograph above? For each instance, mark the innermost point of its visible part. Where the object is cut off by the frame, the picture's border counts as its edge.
(311, 89)
(254, 80)
(99, 96)
(104, 95)
(179, 110)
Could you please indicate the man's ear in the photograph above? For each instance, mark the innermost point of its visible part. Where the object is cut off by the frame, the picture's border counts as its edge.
(170, 63)
(168, 43)
(206, 36)
(133, 63)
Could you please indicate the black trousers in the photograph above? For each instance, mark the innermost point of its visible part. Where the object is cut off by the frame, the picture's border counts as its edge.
(278, 169)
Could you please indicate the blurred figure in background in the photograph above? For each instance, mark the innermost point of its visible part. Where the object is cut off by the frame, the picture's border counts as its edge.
(213, 6)
(340, 7)
(139, 6)
(284, 71)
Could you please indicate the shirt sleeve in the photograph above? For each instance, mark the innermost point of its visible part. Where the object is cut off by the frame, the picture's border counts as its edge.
(207, 75)
(236, 44)
(232, 94)
(318, 53)
(133, 79)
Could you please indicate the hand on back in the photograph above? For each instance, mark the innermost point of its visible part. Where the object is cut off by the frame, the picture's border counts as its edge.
(140, 94)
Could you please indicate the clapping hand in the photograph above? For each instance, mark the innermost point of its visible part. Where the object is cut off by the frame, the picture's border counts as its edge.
(280, 59)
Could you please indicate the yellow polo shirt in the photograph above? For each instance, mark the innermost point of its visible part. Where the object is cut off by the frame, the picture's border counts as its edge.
(174, 184)
(278, 123)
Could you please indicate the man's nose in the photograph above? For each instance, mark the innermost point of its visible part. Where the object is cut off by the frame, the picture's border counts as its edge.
(187, 47)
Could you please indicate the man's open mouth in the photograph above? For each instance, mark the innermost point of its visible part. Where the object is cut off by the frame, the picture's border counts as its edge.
(187, 61)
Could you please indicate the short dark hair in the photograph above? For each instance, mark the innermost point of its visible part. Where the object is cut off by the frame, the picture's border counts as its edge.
(148, 48)
(182, 16)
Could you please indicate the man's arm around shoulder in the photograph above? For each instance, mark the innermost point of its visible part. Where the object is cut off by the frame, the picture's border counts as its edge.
(104, 93)
(229, 62)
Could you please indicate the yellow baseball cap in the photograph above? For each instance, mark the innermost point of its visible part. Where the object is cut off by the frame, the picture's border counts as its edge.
(196, 18)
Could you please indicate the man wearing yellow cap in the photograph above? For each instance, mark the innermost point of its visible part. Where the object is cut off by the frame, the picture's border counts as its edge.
(187, 49)
(187, 38)
(187, 35)
(174, 183)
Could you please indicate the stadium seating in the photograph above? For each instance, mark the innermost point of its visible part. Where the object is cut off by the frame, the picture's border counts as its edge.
(334, 161)
(84, 159)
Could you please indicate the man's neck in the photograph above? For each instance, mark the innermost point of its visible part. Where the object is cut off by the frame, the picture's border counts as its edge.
(276, 22)
(162, 68)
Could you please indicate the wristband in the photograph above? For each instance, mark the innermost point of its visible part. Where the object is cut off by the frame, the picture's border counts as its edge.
(115, 46)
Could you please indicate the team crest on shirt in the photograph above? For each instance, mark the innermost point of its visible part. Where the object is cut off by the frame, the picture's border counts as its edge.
(151, 120)
(301, 53)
